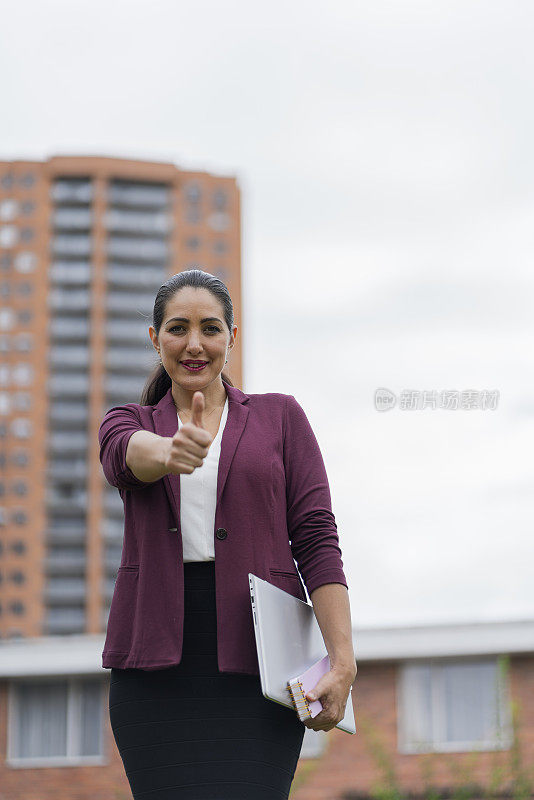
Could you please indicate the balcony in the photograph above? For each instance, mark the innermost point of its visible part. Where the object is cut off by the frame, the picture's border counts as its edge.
(61, 413)
(72, 191)
(133, 330)
(138, 222)
(138, 195)
(75, 470)
(123, 360)
(72, 219)
(67, 442)
(68, 299)
(75, 534)
(74, 245)
(124, 389)
(127, 303)
(137, 249)
(64, 621)
(75, 356)
(112, 529)
(72, 328)
(112, 504)
(132, 277)
(66, 561)
(65, 591)
(69, 501)
(70, 273)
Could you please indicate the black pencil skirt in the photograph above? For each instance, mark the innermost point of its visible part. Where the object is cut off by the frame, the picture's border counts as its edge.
(190, 732)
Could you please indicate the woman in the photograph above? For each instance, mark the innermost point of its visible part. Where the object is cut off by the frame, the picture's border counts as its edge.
(216, 483)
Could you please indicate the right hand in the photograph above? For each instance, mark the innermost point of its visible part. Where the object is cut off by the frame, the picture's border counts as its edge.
(190, 444)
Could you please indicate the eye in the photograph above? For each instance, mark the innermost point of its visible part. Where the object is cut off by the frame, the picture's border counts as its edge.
(212, 327)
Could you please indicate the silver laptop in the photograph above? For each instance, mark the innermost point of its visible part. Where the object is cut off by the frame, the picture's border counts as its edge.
(288, 641)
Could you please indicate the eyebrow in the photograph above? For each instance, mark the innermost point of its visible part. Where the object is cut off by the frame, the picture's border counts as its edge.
(184, 319)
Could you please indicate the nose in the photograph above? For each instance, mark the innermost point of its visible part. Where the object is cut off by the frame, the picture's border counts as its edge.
(193, 344)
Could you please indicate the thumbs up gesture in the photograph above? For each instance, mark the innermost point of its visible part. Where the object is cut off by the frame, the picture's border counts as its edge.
(191, 442)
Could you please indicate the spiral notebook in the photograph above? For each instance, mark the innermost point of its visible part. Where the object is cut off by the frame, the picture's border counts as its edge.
(304, 683)
(289, 645)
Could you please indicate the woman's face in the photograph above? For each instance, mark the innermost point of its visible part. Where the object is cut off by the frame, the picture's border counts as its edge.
(200, 334)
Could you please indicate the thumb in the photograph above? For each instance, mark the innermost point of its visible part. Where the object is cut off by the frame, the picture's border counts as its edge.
(198, 406)
(315, 693)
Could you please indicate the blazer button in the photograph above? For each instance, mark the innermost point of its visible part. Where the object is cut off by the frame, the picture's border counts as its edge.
(221, 533)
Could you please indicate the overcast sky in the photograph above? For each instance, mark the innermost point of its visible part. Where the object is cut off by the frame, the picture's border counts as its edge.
(384, 153)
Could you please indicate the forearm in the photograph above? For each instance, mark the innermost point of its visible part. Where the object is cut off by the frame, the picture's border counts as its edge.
(332, 610)
(146, 454)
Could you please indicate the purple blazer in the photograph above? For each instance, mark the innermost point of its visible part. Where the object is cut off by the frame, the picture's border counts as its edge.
(273, 508)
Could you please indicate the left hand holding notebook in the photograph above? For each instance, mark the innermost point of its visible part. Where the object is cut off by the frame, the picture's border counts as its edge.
(332, 691)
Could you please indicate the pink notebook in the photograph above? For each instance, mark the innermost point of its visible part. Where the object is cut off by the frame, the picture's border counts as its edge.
(304, 683)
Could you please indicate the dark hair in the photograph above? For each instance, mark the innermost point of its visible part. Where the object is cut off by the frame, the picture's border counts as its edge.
(159, 381)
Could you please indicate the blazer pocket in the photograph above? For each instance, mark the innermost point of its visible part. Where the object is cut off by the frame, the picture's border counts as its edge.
(122, 610)
(288, 581)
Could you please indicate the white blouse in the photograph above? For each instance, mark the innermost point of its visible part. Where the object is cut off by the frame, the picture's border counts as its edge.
(198, 500)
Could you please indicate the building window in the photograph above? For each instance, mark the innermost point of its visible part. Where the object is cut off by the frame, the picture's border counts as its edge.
(5, 262)
(6, 181)
(193, 193)
(27, 208)
(25, 316)
(20, 458)
(8, 210)
(25, 261)
(27, 180)
(193, 242)
(26, 234)
(5, 403)
(16, 607)
(19, 517)
(453, 706)
(9, 236)
(23, 374)
(193, 214)
(7, 319)
(23, 341)
(17, 577)
(219, 221)
(220, 246)
(21, 428)
(24, 288)
(220, 200)
(55, 721)
(22, 401)
(18, 547)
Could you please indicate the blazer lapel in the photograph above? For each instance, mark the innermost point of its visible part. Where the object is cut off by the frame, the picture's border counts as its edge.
(166, 424)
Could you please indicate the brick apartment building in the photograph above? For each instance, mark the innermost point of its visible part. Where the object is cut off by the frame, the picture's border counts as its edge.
(85, 243)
